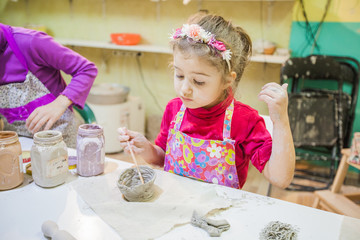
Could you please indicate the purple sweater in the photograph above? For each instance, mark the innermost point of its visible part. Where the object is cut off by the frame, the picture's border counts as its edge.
(45, 58)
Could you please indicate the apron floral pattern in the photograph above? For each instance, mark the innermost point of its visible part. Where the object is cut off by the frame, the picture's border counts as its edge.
(211, 161)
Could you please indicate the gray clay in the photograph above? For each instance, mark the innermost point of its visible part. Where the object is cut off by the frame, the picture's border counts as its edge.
(131, 187)
(277, 230)
(51, 230)
(213, 227)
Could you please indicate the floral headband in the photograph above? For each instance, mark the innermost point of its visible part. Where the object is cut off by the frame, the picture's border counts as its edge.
(200, 35)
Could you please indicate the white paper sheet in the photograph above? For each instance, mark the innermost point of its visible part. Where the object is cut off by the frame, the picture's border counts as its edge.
(177, 198)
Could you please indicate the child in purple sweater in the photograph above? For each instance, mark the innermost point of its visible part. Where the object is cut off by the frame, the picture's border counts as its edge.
(33, 94)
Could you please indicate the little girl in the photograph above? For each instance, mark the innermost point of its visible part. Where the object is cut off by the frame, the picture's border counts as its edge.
(205, 133)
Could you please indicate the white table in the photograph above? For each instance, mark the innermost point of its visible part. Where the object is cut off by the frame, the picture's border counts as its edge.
(24, 209)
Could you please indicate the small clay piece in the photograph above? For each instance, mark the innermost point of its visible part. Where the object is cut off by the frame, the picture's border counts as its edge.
(131, 187)
(276, 230)
(51, 230)
(213, 227)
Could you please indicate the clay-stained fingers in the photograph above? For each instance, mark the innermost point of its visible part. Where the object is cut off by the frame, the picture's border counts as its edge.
(123, 135)
(36, 122)
(39, 124)
(136, 150)
(281, 89)
(49, 123)
(30, 119)
(275, 85)
(266, 98)
(123, 138)
(273, 91)
(268, 92)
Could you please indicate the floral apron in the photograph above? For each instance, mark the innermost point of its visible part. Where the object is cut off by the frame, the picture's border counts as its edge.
(18, 100)
(211, 161)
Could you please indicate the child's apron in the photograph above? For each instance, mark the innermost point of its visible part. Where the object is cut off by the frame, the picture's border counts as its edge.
(18, 100)
(212, 161)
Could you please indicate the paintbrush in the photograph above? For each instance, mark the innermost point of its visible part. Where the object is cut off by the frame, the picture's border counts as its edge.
(134, 159)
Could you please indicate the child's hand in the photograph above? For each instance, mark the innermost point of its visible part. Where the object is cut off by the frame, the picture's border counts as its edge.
(275, 96)
(137, 141)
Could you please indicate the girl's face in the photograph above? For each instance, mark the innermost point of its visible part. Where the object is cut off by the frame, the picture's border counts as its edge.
(197, 82)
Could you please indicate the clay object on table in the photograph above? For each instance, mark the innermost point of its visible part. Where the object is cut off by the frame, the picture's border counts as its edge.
(279, 230)
(213, 227)
(51, 230)
(131, 187)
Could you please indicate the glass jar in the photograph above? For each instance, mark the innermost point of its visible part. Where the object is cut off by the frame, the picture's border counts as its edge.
(49, 159)
(90, 147)
(11, 163)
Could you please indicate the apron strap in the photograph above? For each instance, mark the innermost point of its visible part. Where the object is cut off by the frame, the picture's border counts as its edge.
(227, 121)
(179, 117)
(12, 44)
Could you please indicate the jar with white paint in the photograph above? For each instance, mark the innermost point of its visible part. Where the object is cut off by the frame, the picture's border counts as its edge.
(11, 163)
(90, 148)
(49, 159)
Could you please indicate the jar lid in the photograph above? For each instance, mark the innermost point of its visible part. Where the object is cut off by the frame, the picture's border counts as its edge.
(8, 137)
(90, 130)
(48, 137)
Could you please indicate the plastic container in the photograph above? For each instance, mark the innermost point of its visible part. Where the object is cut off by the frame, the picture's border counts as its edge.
(108, 93)
(90, 150)
(125, 38)
(49, 159)
(11, 164)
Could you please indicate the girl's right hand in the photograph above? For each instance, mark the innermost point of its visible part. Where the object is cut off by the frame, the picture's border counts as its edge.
(138, 142)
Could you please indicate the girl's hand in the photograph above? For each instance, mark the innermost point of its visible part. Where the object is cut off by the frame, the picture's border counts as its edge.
(138, 142)
(45, 116)
(276, 97)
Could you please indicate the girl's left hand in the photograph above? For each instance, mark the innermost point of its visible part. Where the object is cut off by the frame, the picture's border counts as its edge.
(276, 97)
(45, 116)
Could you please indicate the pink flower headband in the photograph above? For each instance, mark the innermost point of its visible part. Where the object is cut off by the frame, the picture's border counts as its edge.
(200, 35)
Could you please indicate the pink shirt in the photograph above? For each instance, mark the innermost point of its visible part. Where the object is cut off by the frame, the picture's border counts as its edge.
(253, 141)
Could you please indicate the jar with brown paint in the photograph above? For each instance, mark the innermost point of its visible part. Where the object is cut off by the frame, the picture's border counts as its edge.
(90, 148)
(11, 165)
(49, 159)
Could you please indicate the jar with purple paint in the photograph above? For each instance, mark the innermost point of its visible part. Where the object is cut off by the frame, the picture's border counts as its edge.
(90, 148)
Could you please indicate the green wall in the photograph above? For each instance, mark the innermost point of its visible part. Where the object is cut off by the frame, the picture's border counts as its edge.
(339, 34)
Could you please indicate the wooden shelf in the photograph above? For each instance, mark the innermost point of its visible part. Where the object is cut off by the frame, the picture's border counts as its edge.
(112, 46)
(155, 49)
(269, 58)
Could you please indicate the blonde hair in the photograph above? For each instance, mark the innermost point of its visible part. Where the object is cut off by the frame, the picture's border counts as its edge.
(234, 38)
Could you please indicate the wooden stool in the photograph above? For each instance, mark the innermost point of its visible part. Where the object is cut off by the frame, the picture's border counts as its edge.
(334, 201)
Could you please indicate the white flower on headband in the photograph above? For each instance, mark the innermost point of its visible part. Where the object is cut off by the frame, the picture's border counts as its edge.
(200, 35)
